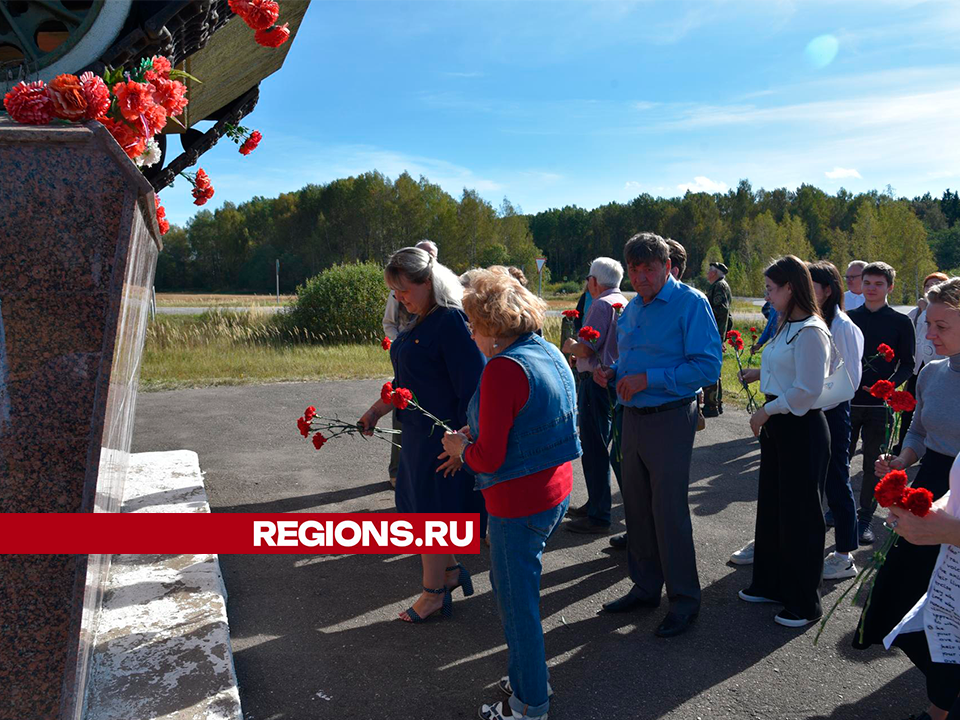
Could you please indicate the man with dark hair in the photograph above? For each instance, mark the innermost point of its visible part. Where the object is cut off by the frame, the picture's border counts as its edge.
(880, 324)
(669, 349)
(678, 259)
(720, 299)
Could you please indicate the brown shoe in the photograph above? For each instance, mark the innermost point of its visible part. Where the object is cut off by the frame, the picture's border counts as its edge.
(577, 512)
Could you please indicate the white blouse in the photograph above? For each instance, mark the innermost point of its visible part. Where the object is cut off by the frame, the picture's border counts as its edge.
(794, 365)
(937, 613)
(849, 341)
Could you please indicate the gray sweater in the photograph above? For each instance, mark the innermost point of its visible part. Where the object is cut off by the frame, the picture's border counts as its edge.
(936, 423)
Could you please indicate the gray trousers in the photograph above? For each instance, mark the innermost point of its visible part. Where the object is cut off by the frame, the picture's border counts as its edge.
(657, 450)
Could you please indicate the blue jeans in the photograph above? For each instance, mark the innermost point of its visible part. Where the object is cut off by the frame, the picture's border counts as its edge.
(837, 485)
(596, 430)
(516, 555)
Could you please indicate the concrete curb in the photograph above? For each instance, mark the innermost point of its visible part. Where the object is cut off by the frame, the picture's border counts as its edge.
(163, 643)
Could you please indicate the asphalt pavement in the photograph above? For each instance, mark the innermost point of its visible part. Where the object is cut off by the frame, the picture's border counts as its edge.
(317, 636)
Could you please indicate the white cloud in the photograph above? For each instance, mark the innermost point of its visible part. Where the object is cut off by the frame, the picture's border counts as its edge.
(632, 186)
(838, 173)
(703, 184)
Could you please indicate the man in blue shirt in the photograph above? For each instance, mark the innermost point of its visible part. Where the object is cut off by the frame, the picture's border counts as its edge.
(669, 349)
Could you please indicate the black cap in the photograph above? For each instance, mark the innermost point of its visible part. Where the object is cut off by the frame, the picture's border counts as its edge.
(721, 267)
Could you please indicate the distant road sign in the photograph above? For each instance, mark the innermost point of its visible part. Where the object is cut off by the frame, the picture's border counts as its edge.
(540, 263)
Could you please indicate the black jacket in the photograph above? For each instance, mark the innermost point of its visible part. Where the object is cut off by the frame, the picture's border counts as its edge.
(885, 326)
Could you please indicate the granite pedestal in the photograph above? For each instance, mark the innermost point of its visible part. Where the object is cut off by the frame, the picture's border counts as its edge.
(78, 249)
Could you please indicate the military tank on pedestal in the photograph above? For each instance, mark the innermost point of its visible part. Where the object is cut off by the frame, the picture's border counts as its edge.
(40, 39)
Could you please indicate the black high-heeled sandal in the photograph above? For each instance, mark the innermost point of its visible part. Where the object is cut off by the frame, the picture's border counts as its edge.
(464, 581)
(446, 610)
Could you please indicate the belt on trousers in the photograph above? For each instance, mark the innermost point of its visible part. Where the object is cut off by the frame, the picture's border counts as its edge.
(673, 404)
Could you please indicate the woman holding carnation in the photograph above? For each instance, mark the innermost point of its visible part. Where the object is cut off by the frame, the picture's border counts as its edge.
(521, 439)
(794, 449)
(836, 486)
(435, 359)
(934, 439)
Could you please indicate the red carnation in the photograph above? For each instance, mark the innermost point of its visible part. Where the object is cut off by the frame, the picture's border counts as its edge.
(133, 99)
(261, 14)
(739, 344)
(132, 142)
(97, 95)
(202, 189)
(882, 389)
(616, 306)
(239, 7)
(171, 94)
(66, 94)
(733, 334)
(902, 401)
(250, 144)
(588, 334)
(385, 392)
(918, 501)
(29, 103)
(400, 398)
(303, 426)
(753, 329)
(310, 413)
(571, 314)
(318, 440)
(886, 351)
(161, 216)
(274, 37)
(890, 489)
(155, 119)
(161, 69)
(385, 343)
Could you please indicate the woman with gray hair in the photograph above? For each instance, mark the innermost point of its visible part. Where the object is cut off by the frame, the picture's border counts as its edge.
(436, 359)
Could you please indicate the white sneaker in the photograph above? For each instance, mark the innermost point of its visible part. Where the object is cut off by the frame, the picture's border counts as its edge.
(506, 689)
(501, 711)
(743, 556)
(836, 567)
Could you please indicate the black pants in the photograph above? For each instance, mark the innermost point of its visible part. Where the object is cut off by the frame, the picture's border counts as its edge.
(905, 575)
(943, 680)
(870, 425)
(788, 559)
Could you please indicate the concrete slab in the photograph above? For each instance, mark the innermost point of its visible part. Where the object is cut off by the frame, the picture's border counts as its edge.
(163, 645)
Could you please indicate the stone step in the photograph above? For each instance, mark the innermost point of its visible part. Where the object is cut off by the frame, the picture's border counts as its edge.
(163, 644)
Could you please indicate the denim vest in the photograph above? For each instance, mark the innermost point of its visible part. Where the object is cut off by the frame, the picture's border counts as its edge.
(544, 433)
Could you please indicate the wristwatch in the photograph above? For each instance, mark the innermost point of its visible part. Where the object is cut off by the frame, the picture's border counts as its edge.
(463, 450)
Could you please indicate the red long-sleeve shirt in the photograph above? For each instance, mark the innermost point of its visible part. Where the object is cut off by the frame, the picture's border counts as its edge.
(504, 390)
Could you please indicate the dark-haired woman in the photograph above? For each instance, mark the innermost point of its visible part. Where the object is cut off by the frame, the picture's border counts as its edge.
(849, 342)
(794, 450)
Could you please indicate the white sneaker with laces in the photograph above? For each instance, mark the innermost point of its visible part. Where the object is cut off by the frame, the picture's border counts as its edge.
(743, 556)
(836, 567)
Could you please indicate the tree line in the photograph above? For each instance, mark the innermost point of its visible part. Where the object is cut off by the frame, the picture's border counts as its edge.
(365, 218)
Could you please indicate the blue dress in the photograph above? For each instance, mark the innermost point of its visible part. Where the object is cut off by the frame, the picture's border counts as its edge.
(440, 364)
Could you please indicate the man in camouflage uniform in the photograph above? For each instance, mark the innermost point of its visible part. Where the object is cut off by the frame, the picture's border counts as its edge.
(720, 299)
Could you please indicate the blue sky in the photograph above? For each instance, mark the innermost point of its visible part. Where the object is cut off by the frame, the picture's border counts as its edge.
(584, 103)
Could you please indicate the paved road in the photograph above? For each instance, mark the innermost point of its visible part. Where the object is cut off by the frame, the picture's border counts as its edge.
(316, 637)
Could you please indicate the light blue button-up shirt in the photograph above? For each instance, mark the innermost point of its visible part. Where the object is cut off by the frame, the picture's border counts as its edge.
(674, 340)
